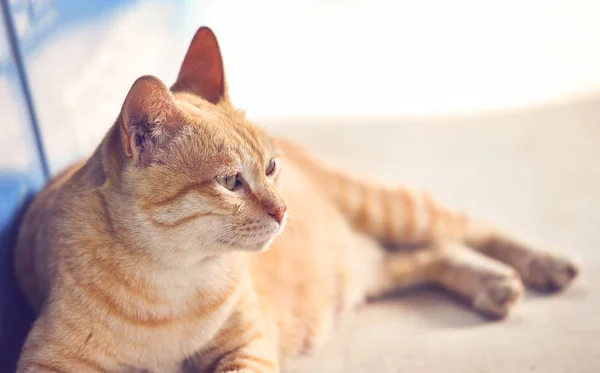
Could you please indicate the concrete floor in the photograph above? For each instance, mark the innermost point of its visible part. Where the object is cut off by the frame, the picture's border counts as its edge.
(534, 172)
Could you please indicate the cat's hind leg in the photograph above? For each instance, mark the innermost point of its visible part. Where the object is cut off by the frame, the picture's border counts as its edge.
(539, 269)
(399, 216)
(491, 287)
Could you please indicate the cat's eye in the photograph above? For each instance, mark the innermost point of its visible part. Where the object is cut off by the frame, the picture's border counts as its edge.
(229, 182)
(272, 167)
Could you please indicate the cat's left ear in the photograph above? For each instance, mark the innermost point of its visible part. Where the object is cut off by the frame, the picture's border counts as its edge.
(202, 71)
(149, 118)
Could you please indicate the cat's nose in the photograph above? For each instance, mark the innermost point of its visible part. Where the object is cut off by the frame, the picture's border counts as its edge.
(278, 212)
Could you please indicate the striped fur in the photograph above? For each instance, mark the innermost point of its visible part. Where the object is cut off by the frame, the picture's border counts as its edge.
(396, 215)
(138, 260)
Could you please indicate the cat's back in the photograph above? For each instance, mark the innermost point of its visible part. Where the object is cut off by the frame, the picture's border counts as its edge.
(33, 248)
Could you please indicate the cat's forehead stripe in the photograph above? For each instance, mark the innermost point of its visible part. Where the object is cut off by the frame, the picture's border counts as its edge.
(249, 140)
(233, 126)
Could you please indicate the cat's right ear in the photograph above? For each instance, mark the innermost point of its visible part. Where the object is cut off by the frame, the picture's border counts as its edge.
(149, 117)
(202, 71)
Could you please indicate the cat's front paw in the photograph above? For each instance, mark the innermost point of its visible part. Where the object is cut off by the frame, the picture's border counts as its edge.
(547, 272)
(498, 296)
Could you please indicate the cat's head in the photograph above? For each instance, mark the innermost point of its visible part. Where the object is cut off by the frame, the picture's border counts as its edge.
(201, 175)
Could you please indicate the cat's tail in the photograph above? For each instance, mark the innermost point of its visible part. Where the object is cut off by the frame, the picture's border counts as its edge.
(391, 214)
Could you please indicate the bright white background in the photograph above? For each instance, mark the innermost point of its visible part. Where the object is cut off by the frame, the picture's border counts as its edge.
(399, 57)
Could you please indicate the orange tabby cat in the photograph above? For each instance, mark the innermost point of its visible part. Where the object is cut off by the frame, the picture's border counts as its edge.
(150, 256)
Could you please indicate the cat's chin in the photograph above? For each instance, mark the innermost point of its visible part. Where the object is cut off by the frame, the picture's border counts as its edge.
(259, 247)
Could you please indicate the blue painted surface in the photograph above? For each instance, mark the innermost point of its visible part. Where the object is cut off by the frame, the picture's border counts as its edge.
(21, 175)
(16, 189)
(55, 44)
(45, 17)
